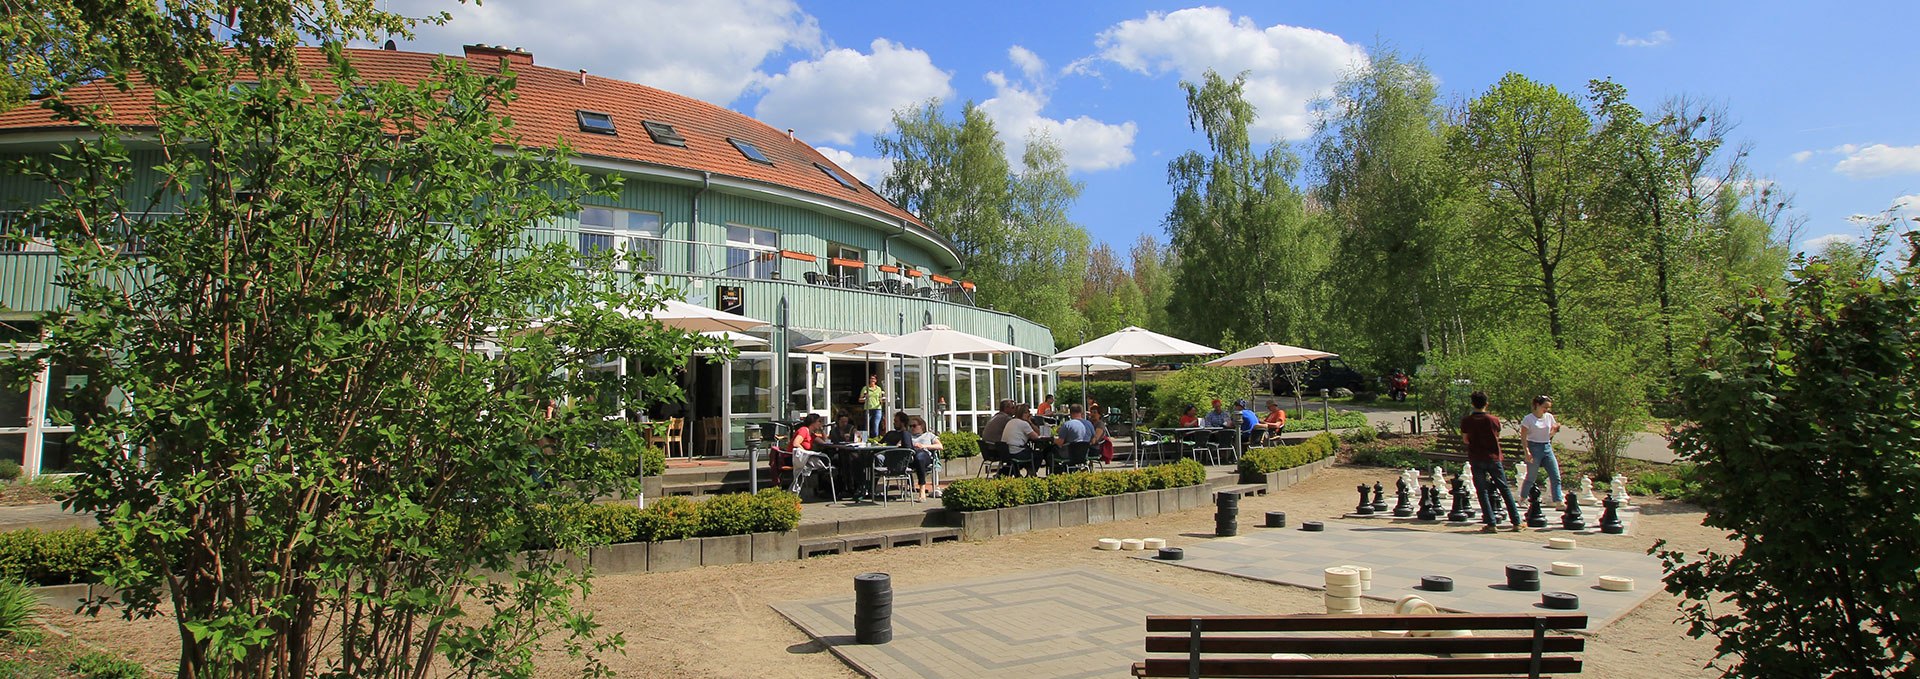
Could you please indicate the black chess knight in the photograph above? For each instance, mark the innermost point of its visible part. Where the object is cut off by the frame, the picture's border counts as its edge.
(1610, 517)
(1535, 517)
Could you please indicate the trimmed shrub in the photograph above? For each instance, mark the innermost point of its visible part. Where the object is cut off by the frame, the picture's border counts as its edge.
(956, 444)
(668, 518)
(972, 495)
(775, 511)
(1359, 435)
(1262, 461)
(53, 557)
(729, 514)
(102, 666)
(1304, 420)
(9, 470)
(653, 461)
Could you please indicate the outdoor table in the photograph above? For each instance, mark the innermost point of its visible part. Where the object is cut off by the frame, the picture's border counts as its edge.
(854, 462)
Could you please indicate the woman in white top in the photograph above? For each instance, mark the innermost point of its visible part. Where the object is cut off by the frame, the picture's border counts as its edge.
(927, 443)
(1539, 427)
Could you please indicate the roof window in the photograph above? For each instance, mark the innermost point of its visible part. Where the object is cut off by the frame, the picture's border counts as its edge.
(750, 151)
(663, 133)
(836, 177)
(597, 123)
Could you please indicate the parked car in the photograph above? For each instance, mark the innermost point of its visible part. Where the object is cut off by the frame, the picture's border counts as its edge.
(1324, 373)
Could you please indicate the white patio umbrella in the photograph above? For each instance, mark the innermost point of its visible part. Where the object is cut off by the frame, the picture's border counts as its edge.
(1133, 341)
(847, 344)
(737, 339)
(1268, 353)
(938, 340)
(674, 313)
(1084, 366)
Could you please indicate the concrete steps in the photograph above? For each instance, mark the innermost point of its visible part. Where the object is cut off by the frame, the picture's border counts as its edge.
(861, 542)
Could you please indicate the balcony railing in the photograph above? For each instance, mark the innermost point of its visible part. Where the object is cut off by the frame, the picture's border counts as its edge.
(657, 255)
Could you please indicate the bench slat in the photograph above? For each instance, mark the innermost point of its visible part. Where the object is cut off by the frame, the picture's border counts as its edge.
(1349, 667)
(1316, 622)
(1372, 645)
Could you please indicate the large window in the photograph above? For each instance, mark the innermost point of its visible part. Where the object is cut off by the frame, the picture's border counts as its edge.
(846, 263)
(623, 231)
(752, 252)
(752, 388)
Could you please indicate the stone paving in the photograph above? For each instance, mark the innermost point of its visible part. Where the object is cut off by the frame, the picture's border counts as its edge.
(1400, 556)
(1047, 624)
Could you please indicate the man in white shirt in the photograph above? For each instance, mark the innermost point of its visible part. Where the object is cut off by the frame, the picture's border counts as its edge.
(1019, 435)
(1538, 428)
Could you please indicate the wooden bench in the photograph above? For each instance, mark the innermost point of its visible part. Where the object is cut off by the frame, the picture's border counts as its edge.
(1450, 447)
(1243, 646)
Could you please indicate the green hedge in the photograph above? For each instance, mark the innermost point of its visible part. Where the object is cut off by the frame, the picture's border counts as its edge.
(668, 518)
(955, 444)
(54, 557)
(1263, 461)
(1309, 420)
(1109, 393)
(971, 495)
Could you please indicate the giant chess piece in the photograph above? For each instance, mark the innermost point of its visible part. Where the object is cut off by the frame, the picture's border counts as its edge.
(1570, 517)
(1610, 517)
(1586, 491)
(1619, 493)
(1402, 499)
(1519, 477)
(1473, 494)
(1439, 476)
(1365, 508)
(1429, 504)
(1535, 517)
(1379, 498)
(1459, 511)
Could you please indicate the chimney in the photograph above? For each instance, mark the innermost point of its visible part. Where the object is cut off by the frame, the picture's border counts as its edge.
(514, 56)
(583, 76)
(789, 134)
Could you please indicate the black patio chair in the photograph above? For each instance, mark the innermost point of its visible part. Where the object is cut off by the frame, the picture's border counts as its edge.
(890, 465)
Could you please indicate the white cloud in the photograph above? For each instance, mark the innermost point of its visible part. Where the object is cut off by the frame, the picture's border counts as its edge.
(1654, 39)
(1802, 156)
(865, 168)
(1906, 207)
(1817, 244)
(710, 50)
(1878, 160)
(845, 93)
(1287, 66)
(1085, 143)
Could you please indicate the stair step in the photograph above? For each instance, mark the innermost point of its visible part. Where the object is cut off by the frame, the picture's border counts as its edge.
(843, 544)
(1245, 489)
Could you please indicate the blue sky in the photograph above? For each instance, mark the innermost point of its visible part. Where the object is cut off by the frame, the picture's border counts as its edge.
(1825, 94)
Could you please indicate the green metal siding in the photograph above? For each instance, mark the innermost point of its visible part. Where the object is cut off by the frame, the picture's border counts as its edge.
(833, 311)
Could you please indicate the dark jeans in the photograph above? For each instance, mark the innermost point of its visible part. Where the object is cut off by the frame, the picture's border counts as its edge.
(1488, 476)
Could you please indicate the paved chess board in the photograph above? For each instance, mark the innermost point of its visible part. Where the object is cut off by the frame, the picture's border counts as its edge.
(1048, 624)
(1400, 556)
(1629, 517)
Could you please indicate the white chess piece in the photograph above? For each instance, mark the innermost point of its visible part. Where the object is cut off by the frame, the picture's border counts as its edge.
(1619, 489)
(1520, 474)
(1439, 476)
(1586, 491)
(1466, 480)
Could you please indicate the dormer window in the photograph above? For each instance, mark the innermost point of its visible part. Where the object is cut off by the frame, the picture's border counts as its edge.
(597, 123)
(836, 177)
(750, 151)
(663, 133)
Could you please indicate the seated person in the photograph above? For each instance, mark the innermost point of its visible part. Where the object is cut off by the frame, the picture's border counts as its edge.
(1248, 422)
(801, 446)
(1019, 435)
(1275, 422)
(902, 436)
(1216, 417)
(1190, 417)
(928, 445)
(1102, 443)
(843, 430)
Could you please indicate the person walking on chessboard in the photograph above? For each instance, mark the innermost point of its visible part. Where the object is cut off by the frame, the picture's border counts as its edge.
(1480, 430)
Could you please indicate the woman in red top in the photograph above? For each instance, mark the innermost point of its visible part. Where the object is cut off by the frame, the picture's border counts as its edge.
(1190, 417)
(801, 447)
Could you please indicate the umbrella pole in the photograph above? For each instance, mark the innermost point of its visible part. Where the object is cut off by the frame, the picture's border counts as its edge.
(1083, 386)
(1133, 398)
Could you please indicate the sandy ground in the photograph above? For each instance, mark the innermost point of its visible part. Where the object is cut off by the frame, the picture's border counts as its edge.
(716, 622)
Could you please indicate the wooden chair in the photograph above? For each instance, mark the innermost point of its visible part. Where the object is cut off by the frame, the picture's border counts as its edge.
(1244, 645)
(713, 437)
(669, 438)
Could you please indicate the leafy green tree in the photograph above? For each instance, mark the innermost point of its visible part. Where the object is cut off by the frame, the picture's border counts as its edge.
(1803, 419)
(353, 368)
(1149, 266)
(1012, 230)
(1380, 151)
(1249, 254)
(1603, 394)
(1109, 299)
(1523, 149)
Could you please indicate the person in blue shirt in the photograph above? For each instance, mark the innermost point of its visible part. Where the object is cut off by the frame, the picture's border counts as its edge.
(1076, 429)
(1216, 417)
(1248, 421)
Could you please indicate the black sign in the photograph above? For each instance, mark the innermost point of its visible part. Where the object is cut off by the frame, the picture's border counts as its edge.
(733, 299)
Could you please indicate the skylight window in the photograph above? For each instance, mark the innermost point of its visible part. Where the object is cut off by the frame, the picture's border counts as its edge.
(663, 133)
(836, 177)
(597, 123)
(750, 151)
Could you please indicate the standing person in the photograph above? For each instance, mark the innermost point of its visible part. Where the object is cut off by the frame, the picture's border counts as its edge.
(875, 400)
(1540, 427)
(1046, 407)
(1480, 431)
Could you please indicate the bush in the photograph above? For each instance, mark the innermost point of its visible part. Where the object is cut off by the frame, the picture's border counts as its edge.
(102, 666)
(18, 607)
(1263, 461)
(972, 495)
(53, 557)
(957, 444)
(9, 470)
(1676, 485)
(1113, 394)
(729, 514)
(668, 518)
(1359, 435)
(653, 461)
(1304, 420)
(1397, 457)
(1195, 386)
(775, 511)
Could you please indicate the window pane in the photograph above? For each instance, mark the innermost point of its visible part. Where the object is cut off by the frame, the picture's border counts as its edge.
(591, 243)
(752, 386)
(797, 385)
(963, 390)
(913, 385)
(66, 405)
(739, 234)
(766, 238)
(594, 216)
(56, 454)
(13, 447)
(644, 222)
(13, 405)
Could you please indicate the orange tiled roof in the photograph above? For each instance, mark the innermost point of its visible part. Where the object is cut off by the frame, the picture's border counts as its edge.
(545, 111)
